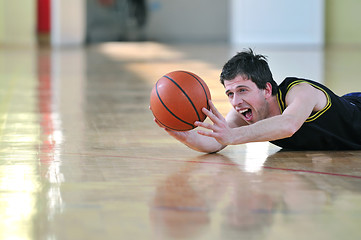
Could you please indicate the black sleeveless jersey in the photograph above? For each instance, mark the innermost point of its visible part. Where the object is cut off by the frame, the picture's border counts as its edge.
(336, 127)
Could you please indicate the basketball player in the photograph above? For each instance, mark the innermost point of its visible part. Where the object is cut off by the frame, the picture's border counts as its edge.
(298, 114)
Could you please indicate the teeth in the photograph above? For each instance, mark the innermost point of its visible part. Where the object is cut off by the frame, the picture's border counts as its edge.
(244, 110)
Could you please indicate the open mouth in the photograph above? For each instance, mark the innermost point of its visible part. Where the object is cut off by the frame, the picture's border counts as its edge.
(247, 113)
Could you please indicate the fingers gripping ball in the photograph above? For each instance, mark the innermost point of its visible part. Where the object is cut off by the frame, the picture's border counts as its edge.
(177, 100)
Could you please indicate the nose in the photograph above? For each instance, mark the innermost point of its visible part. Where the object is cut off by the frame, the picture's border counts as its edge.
(236, 100)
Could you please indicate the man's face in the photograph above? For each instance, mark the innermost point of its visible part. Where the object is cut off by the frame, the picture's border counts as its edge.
(247, 99)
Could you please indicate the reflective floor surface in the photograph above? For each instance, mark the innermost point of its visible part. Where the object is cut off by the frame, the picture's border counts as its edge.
(81, 158)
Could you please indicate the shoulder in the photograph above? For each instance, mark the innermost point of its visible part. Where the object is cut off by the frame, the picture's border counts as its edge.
(290, 82)
(308, 92)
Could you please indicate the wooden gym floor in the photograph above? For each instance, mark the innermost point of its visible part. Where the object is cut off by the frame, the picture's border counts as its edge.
(81, 158)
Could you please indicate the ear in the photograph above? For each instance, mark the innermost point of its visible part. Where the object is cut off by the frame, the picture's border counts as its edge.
(268, 90)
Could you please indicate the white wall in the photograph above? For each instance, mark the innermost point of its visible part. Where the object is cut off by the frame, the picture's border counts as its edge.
(188, 20)
(68, 22)
(277, 22)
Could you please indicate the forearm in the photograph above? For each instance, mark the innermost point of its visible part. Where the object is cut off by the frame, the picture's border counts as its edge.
(270, 129)
(205, 144)
(198, 142)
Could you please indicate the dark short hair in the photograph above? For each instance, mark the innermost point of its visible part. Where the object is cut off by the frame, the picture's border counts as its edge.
(251, 66)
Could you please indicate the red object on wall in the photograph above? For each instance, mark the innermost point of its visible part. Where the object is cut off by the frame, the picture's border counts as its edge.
(43, 14)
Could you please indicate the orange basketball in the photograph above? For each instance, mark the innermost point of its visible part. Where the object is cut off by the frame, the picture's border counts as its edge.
(177, 100)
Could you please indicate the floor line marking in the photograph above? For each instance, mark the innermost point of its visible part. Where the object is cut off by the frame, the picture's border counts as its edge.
(217, 163)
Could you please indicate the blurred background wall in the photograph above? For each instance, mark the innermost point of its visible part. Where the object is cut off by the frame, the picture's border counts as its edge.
(343, 22)
(17, 22)
(234, 21)
(189, 20)
(67, 21)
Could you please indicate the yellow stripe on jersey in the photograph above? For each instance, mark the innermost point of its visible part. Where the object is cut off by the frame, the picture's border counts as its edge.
(314, 116)
(281, 104)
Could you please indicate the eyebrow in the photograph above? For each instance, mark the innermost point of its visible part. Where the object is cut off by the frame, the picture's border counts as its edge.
(239, 86)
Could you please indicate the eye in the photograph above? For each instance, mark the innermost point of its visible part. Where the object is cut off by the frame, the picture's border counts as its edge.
(230, 94)
(242, 90)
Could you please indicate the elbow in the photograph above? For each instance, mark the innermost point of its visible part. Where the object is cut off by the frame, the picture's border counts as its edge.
(214, 151)
(289, 133)
(290, 129)
(207, 151)
(211, 150)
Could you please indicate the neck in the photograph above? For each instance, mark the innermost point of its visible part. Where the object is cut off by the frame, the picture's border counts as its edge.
(274, 108)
